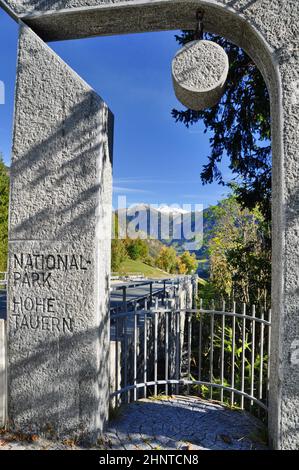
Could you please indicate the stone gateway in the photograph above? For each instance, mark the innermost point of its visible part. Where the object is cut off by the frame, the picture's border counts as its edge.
(61, 181)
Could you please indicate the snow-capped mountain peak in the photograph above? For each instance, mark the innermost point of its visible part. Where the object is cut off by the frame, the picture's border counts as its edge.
(175, 210)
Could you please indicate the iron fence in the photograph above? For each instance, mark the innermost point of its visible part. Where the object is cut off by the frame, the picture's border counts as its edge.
(219, 354)
(3, 280)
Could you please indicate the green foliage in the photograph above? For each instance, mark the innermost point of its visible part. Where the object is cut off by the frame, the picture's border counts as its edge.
(228, 363)
(137, 248)
(129, 248)
(4, 203)
(208, 292)
(118, 247)
(168, 260)
(240, 128)
(240, 256)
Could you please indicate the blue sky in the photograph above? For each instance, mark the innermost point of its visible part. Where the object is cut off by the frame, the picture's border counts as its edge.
(155, 159)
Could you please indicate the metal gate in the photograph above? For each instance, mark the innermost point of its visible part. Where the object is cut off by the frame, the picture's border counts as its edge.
(215, 353)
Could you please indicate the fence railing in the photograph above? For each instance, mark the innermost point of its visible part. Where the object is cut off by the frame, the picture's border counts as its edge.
(3, 280)
(129, 276)
(218, 354)
(156, 288)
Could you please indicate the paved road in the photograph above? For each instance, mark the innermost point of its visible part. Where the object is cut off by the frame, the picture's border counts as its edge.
(132, 293)
(182, 422)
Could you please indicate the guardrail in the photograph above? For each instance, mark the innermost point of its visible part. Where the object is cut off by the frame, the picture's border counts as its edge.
(172, 284)
(218, 354)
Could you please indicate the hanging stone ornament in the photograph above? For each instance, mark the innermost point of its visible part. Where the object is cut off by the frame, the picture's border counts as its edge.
(199, 73)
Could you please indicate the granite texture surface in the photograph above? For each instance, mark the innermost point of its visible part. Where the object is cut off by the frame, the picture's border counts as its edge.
(199, 73)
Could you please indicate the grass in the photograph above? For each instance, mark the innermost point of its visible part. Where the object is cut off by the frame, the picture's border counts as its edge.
(130, 266)
(159, 397)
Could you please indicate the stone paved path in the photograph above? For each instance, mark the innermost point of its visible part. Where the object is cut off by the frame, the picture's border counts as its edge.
(166, 423)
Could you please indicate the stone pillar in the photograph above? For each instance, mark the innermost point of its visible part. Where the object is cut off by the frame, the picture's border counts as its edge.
(284, 377)
(59, 249)
(2, 373)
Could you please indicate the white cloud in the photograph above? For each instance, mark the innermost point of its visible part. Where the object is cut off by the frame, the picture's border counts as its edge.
(136, 179)
(120, 189)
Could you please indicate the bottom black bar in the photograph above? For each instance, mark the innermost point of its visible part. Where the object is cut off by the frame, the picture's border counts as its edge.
(133, 459)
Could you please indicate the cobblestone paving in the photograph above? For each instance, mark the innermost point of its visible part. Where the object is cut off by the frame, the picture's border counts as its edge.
(165, 423)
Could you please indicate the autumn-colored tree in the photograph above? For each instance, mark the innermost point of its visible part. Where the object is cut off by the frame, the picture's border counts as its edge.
(167, 259)
(181, 267)
(190, 262)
